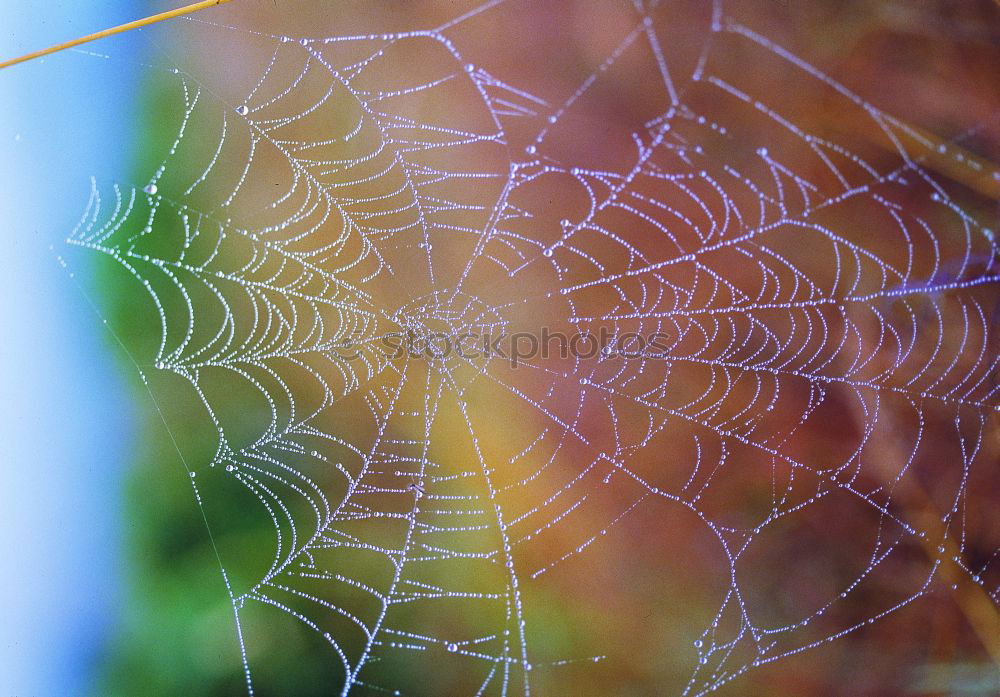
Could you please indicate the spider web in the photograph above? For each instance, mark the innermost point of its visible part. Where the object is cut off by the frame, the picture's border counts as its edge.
(829, 302)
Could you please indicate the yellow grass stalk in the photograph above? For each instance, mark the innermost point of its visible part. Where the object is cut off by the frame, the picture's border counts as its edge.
(152, 19)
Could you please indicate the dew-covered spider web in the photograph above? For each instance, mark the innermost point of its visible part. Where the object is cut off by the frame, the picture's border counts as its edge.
(808, 451)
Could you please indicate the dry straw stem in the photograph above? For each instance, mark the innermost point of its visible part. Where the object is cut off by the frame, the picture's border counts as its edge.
(137, 24)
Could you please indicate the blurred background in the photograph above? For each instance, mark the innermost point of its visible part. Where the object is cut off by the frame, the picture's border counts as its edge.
(111, 585)
(68, 420)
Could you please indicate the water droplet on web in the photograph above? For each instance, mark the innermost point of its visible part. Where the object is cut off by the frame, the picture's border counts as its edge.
(150, 189)
(230, 468)
(452, 647)
(242, 110)
(547, 252)
(697, 643)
